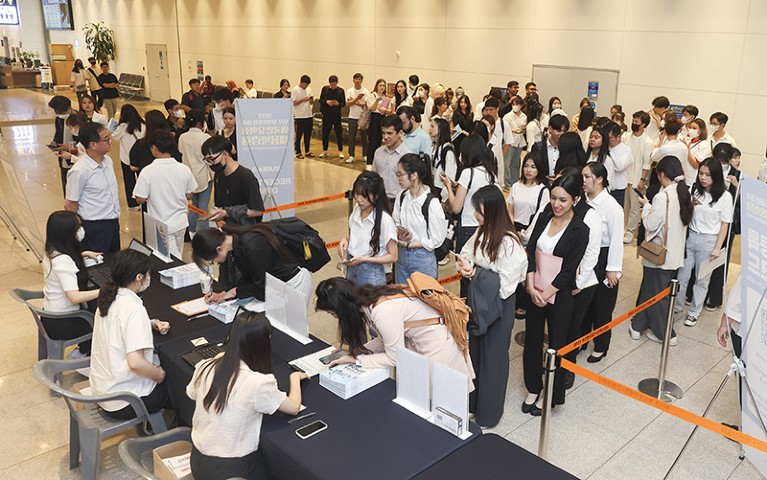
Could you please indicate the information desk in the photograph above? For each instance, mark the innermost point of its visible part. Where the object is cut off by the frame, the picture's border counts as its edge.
(491, 457)
(367, 436)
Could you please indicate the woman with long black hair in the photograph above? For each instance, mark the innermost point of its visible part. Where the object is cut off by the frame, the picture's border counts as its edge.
(78, 79)
(463, 116)
(232, 393)
(493, 257)
(130, 129)
(443, 155)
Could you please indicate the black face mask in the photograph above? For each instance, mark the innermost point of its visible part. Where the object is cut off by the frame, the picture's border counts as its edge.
(634, 127)
(217, 167)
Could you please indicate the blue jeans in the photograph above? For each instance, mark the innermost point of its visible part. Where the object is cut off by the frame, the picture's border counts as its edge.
(414, 260)
(366, 274)
(202, 201)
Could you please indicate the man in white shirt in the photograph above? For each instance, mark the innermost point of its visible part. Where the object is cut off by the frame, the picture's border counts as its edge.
(689, 113)
(659, 105)
(92, 191)
(716, 124)
(303, 99)
(558, 124)
(416, 139)
(491, 107)
(638, 174)
(412, 85)
(676, 148)
(223, 99)
(513, 140)
(622, 161)
(190, 146)
(250, 91)
(356, 97)
(166, 186)
(387, 156)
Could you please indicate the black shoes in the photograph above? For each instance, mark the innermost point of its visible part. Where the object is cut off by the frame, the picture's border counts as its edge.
(528, 407)
(593, 358)
(569, 380)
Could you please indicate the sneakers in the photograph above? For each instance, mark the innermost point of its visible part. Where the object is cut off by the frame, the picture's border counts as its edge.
(369, 168)
(340, 156)
(710, 308)
(444, 261)
(628, 237)
(690, 321)
(309, 155)
(349, 160)
(651, 336)
(634, 334)
(324, 155)
(298, 155)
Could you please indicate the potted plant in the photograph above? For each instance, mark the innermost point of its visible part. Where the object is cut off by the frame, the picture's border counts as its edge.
(100, 41)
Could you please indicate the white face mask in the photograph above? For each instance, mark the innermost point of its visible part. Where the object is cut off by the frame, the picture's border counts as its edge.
(714, 128)
(693, 133)
(80, 235)
(178, 113)
(516, 108)
(144, 286)
(686, 120)
(662, 124)
(556, 106)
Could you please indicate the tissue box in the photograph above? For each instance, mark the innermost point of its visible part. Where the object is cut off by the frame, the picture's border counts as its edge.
(171, 461)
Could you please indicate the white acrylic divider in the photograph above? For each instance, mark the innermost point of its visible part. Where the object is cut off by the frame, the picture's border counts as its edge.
(450, 390)
(413, 382)
(286, 309)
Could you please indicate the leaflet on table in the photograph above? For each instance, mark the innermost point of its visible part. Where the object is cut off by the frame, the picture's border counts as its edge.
(191, 307)
(181, 276)
(226, 311)
(310, 364)
(286, 309)
(348, 380)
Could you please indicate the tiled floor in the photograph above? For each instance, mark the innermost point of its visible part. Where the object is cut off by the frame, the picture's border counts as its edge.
(598, 434)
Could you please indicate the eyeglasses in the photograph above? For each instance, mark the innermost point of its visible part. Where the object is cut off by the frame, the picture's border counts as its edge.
(211, 159)
(108, 139)
(399, 174)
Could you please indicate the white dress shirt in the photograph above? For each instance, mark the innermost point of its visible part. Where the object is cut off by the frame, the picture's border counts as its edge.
(361, 231)
(94, 188)
(553, 154)
(127, 140)
(510, 263)
(407, 213)
(587, 277)
(622, 161)
(641, 149)
(654, 220)
(525, 200)
(514, 122)
(612, 228)
(534, 133)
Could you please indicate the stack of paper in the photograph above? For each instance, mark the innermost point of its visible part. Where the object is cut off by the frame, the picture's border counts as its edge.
(348, 380)
(226, 311)
(311, 364)
(179, 465)
(181, 276)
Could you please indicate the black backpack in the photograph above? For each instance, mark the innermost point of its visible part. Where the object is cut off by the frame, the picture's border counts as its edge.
(303, 241)
(447, 245)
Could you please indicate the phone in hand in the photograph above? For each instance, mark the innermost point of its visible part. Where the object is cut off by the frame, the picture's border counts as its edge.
(53, 145)
(638, 192)
(333, 356)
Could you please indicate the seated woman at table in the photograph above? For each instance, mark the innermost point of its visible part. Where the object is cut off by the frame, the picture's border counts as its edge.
(66, 279)
(357, 307)
(246, 253)
(232, 392)
(122, 351)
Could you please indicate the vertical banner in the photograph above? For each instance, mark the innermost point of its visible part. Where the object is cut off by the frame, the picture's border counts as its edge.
(753, 329)
(265, 145)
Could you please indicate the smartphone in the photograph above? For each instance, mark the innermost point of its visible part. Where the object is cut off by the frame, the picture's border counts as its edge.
(53, 145)
(333, 356)
(641, 195)
(311, 429)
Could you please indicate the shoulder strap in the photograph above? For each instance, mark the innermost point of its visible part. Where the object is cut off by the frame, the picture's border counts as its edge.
(425, 211)
(413, 323)
(401, 199)
(540, 197)
(665, 227)
(471, 179)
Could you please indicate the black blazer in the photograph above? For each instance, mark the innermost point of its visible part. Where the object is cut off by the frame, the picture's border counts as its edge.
(571, 247)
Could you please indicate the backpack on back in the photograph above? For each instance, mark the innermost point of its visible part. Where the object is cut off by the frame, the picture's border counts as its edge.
(303, 241)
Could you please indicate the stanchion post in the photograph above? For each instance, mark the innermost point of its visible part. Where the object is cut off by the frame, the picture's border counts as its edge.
(548, 394)
(350, 199)
(661, 388)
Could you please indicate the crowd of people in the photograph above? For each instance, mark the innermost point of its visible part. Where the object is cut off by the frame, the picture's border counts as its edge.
(534, 205)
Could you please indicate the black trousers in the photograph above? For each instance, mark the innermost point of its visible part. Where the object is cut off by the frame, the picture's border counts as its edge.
(619, 196)
(600, 312)
(374, 135)
(557, 317)
(67, 329)
(490, 357)
(332, 123)
(154, 402)
(462, 235)
(129, 181)
(250, 467)
(716, 285)
(303, 129)
(102, 236)
(96, 94)
(64, 172)
(581, 304)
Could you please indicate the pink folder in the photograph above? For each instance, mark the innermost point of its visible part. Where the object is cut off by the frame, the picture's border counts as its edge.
(547, 267)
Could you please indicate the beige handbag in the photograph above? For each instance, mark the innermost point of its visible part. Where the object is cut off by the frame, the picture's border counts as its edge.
(650, 249)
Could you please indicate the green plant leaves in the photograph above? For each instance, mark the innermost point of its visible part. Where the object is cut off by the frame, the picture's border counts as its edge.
(100, 41)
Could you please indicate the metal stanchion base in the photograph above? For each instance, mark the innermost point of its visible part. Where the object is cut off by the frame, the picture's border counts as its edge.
(519, 338)
(671, 391)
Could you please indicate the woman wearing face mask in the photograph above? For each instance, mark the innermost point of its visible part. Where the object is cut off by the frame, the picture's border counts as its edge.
(696, 142)
(78, 79)
(230, 129)
(130, 129)
(555, 104)
(284, 91)
(122, 351)
(91, 111)
(514, 140)
(400, 95)
(66, 279)
(246, 253)
(421, 95)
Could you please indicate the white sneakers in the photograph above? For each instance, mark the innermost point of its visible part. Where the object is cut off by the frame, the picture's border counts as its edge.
(350, 160)
(369, 168)
(628, 237)
(634, 334)
(651, 336)
(340, 156)
(324, 155)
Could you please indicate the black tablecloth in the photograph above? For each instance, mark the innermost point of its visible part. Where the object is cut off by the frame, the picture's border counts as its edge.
(491, 457)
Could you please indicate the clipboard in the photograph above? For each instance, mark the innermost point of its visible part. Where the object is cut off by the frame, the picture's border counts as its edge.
(708, 265)
(191, 307)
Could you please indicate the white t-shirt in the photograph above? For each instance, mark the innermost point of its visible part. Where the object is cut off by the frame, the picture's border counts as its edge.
(514, 122)
(546, 243)
(125, 329)
(190, 146)
(534, 133)
(303, 110)
(60, 276)
(510, 264)
(524, 199)
(165, 183)
(361, 231)
(707, 218)
(678, 149)
(477, 181)
(127, 140)
(356, 110)
(236, 431)
(701, 150)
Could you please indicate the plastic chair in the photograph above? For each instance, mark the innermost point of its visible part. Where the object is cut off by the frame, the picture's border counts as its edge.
(90, 424)
(46, 346)
(132, 449)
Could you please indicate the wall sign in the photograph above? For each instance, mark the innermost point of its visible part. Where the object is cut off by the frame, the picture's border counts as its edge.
(9, 12)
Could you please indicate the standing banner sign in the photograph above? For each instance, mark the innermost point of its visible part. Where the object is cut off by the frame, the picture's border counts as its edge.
(753, 329)
(265, 145)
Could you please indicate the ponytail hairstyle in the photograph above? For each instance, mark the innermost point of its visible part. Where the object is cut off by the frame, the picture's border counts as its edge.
(249, 342)
(371, 186)
(598, 169)
(127, 264)
(717, 180)
(497, 223)
(672, 169)
(443, 143)
(412, 163)
(61, 239)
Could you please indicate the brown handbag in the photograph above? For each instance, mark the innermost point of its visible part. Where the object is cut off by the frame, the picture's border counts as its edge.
(653, 251)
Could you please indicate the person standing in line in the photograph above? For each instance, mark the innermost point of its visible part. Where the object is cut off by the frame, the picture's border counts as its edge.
(109, 93)
(193, 99)
(401, 97)
(639, 172)
(92, 191)
(62, 136)
(387, 156)
(78, 80)
(222, 99)
(622, 159)
(412, 85)
(332, 99)
(130, 129)
(380, 105)
(166, 186)
(416, 139)
(666, 217)
(91, 112)
(493, 255)
(696, 141)
(140, 154)
(659, 106)
(303, 99)
(93, 82)
(463, 117)
(513, 140)
(176, 122)
(717, 123)
(190, 146)
(356, 98)
(372, 239)
(675, 147)
(444, 160)
(229, 132)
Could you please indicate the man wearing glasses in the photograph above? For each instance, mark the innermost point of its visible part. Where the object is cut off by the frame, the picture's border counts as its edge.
(92, 191)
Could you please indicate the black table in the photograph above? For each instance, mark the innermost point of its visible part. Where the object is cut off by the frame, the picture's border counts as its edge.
(491, 457)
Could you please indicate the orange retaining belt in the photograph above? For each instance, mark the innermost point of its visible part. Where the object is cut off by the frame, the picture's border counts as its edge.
(302, 203)
(599, 331)
(673, 410)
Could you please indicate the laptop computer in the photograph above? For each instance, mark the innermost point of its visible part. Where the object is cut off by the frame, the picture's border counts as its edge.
(100, 274)
(203, 352)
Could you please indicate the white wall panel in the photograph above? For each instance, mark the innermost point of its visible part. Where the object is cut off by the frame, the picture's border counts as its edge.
(753, 79)
(490, 14)
(577, 48)
(691, 16)
(596, 15)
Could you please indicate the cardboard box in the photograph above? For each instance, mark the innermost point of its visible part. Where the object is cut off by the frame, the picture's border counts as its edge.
(172, 451)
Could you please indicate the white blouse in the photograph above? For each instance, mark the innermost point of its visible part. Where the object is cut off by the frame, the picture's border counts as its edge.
(524, 199)
(127, 140)
(654, 220)
(510, 264)
(407, 214)
(60, 276)
(612, 228)
(361, 231)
